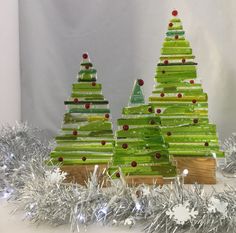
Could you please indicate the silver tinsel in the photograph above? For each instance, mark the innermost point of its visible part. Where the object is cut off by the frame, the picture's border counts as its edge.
(229, 147)
(39, 190)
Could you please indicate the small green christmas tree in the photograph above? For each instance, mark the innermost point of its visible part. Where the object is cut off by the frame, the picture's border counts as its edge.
(179, 100)
(86, 136)
(140, 149)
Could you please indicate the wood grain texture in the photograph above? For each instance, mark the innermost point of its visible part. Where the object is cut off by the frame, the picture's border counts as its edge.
(201, 170)
(80, 173)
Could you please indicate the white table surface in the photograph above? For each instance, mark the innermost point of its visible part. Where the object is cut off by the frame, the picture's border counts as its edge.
(14, 223)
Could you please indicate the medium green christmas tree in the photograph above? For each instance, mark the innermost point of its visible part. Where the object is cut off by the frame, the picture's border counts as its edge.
(179, 100)
(140, 149)
(86, 136)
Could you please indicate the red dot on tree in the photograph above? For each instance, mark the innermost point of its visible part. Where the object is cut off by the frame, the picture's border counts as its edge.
(194, 101)
(76, 100)
(176, 37)
(87, 67)
(93, 84)
(174, 12)
(195, 121)
(179, 95)
(103, 142)
(166, 62)
(84, 158)
(140, 82)
(158, 111)
(134, 164)
(125, 146)
(162, 94)
(170, 24)
(183, 60)
(168, 133)
(87, 106)
(191, 81)
(158, 155)
(206, 144)
(60, 159)
(150, 109)
(107, 115)
(85, 56)
(75, 133)
(118, 175)
(125, 127)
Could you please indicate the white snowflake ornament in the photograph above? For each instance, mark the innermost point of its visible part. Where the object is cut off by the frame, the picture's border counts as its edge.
(181, 213)
(217, 206)
(56, 176)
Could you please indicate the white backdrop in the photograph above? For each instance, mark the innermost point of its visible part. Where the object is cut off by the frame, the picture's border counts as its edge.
(124, 40)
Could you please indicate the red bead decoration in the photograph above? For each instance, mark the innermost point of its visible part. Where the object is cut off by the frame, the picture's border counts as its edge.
(87, 106)
(150, 109)
(84, 158)
(158, 155)
(76, 100)
(195, 121)
(191, 81)
(60, 159)
(87, 67)
(140, 82)
(179, 95)
(166, 62)
(176, 37)
(174, 12)
(170, 25)
(134, 164)
(103, 142)
(168, 133)
(183, 60)
(158, 111)
(107, 115)
(93, 84)
(75, 133)
(118, 175)
(85, 56)
(125, 127)
(162, 94)
(194, 101)
(125, 146)
(206, 144)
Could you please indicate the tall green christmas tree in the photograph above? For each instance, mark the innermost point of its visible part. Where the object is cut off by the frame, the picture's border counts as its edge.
(179, 100)
(86, 136)
(140, 149)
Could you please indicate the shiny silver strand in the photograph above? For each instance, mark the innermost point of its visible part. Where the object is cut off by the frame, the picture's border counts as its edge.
(39, 189)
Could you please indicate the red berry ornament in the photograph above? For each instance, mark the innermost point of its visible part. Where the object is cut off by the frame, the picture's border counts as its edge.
(118, 175)
(194, 101)
(125, 127)
(158, 111)
(103, 142)
(195, 121)
(107, 115)
(166, 62)
(84, 158)
(168, 133)
(93, 84)
(206, 144)
(150, 109)
(75, 133)
(87, 67)
(125, 146)
(140, 82)
(179, 95)
(158, 155)
(191, 81)
(174, 12)
(162, 94)
(134, 164)
(176, 37)
(183, 60)
(87, 106)
(85, 56)
(60, 159)
(76, 100)
(170, 25)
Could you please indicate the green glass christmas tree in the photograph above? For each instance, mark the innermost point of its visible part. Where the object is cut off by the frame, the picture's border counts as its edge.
(86, 136)
(140, 149)
(179, 100)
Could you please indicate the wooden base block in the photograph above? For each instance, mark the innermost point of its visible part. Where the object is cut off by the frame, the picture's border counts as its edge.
(150, 180)
(80, 173)
(200, 170)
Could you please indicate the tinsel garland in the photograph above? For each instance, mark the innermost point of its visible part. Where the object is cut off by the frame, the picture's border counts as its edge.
(39, 190)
